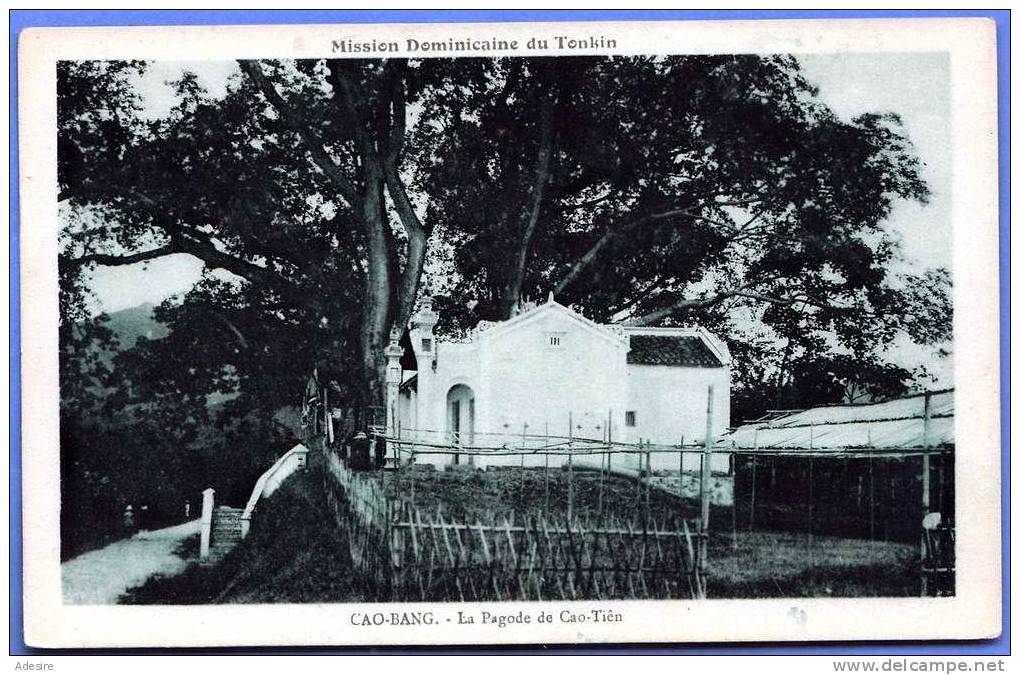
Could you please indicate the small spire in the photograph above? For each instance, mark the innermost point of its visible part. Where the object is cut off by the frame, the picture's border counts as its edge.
(550, 297)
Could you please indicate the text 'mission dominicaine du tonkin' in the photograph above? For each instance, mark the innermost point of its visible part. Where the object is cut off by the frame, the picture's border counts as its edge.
(457, 45)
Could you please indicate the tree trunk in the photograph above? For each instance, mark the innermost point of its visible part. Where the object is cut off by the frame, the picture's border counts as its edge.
(378, 295)
(417, 244)
(389, 292)
(516, 282)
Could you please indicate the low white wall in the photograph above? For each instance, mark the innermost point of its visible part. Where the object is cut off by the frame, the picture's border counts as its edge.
(293, 460)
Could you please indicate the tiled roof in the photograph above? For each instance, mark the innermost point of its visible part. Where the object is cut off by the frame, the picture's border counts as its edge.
(410, 383)
(671, 350)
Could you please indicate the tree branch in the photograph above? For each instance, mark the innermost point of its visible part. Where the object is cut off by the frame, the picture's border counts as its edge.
(398, 104)
(296, 122)
(640, 295)
(589, 202)
(740, 292)
(351, 99)
(201, 248)
(107, 260)
(417, 242)
(417, 232)
(232, 328)
(206, 251)
(545, 143)
(605, 240)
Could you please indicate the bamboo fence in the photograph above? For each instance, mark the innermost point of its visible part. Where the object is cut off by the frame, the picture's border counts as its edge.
(404, 554)
(359, 507)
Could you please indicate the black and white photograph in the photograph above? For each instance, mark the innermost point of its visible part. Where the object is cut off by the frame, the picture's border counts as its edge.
(427, 320)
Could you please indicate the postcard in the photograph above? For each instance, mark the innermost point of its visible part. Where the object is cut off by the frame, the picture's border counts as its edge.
(510, 333)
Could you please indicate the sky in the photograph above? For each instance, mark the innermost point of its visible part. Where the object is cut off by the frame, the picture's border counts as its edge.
(914, 85)
(917, 88)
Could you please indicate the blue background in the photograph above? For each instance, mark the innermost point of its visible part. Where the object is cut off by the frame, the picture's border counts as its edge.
(21, 19)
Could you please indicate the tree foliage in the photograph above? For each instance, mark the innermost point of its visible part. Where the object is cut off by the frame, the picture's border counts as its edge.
(327, 197)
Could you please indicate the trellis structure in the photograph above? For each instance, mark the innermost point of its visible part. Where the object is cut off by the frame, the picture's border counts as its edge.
(414, 554)
(902, 450)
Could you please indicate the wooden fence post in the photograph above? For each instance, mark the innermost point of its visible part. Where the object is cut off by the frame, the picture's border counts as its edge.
(925, 487)
(706, 469)
(754, 483)
(547, 466)
(871, 487)
(382, 465)
(811, 503)
(733, 505)
(207, 513)
(810, 488)
(609, 434)
(602, 468)
(648, 483)
(926, 462)
(524, 443)
(570, 467)
(637, 485)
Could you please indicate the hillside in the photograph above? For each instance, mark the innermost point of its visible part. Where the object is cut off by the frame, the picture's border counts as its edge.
(135, 322)
(128, 325)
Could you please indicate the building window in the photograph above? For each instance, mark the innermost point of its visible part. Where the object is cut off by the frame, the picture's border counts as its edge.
(554, 340)
(630, 418)
(426, 345)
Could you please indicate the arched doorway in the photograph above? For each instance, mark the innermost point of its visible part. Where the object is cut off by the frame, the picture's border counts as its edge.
(460, 416)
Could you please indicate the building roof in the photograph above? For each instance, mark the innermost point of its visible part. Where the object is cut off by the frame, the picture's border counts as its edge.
(488, 330)
(671, 350)
(408, 360)
(896, 424)
(653, 346)
(410, 381)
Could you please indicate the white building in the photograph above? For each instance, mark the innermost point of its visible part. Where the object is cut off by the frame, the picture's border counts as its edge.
(551, 372)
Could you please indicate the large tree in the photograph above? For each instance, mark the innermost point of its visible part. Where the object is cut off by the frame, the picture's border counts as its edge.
(716, 190)
(711, 190)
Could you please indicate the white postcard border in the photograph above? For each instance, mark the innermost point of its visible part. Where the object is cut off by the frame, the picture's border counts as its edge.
(975, 612)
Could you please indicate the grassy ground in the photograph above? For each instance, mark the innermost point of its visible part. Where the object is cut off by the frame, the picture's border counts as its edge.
(762, 564)
(470, 495)
(785, 564)
(294, 553)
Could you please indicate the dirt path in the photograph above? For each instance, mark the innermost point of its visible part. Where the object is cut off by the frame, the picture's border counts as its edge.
(100, 577)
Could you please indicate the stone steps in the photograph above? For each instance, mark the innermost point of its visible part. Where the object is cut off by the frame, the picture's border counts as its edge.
(225, 533)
